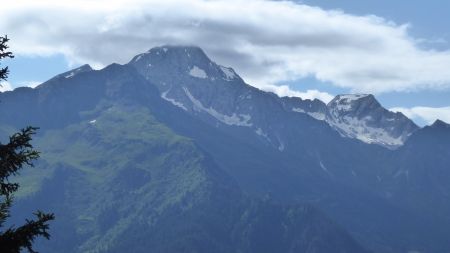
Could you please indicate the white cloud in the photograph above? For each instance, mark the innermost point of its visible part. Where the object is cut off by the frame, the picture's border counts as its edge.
(265, 41)
(5, 86)
(427, 114)
(285, 91)
(31, 84)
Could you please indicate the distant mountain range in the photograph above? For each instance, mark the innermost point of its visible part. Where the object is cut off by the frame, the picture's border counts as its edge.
(175, 153)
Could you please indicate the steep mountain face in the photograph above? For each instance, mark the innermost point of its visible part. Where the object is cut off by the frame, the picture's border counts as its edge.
(176, 137)
(360, 116)
(120, 179)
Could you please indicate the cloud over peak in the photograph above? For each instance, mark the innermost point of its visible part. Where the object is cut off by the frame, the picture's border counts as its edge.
(267, 42)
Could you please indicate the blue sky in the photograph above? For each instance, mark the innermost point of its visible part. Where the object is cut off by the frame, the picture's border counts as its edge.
(34, 69)
(397, 50)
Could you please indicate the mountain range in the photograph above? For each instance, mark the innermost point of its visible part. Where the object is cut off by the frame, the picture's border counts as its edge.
(172, 152)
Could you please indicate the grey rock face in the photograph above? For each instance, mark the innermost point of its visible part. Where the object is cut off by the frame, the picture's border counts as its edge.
(314, 108)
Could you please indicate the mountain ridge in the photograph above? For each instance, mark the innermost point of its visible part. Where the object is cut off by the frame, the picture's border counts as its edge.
(385, 198)
(394, 130)
(182, 88)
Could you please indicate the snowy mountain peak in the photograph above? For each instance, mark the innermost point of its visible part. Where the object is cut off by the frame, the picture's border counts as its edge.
(362, 117)
(187, 61)
(349, 102)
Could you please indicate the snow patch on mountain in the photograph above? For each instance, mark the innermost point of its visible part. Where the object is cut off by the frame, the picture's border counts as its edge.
(233, 120)
(346, 102)
(358, 128)
(228, 72)
(353, 97)
(298, 110)
(74, 72)
(325, 169)
(281, 145)
(316, 115)
(71, 74)
(173, 101)
(198, 73)
(261, 133)
(138, 58)
(402, 172)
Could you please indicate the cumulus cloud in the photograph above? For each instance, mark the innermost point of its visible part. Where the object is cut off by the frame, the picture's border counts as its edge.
(266, 42)
(427, 114)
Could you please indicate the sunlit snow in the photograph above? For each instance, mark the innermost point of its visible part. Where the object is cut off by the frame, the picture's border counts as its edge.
(234, 119)
(173, 101)
(198, 72)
